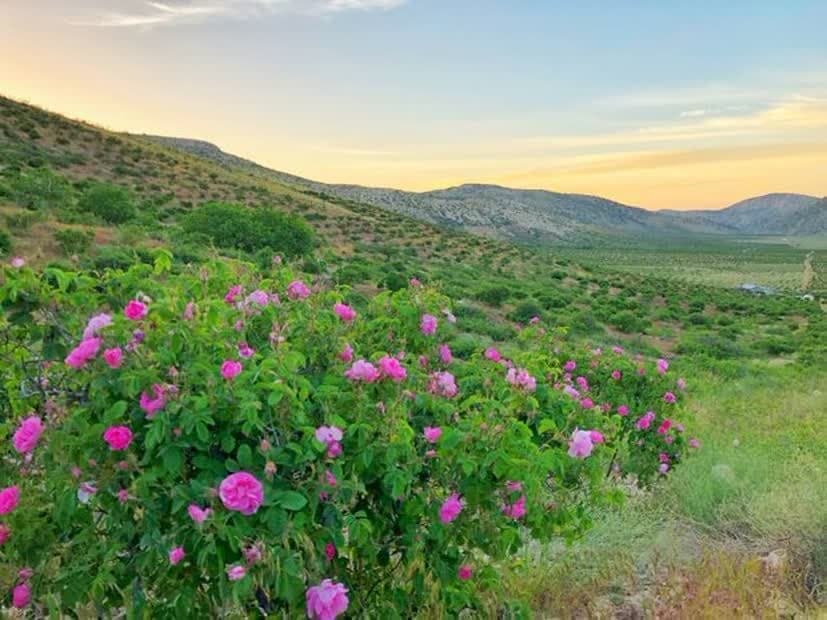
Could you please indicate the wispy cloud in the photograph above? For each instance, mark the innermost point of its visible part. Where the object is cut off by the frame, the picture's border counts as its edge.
(693, 113)
(149, 14)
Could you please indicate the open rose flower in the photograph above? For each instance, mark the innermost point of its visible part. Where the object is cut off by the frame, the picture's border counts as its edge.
(21, 595)
(363, 371)
(135, 310)
(241, 492)
(432, 433)
(113, 357)
(198, 514)
(326, 601)
(118, 437)
(154, 403)
(298, 290)
(581, 444)
(28, 434)
(428, 324)
(96, 324)
(85, 351)
(391, 368)
(230, 369)
(451, 508)
(176, 555)
(344, 312)
(9, 498)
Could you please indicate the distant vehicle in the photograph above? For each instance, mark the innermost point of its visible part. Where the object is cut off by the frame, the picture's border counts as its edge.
(757, 289)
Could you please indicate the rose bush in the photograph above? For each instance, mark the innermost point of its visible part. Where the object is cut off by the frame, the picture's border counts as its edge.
(254, 448)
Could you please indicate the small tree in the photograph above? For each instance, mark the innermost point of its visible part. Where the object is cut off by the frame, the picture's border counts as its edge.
(111, 203)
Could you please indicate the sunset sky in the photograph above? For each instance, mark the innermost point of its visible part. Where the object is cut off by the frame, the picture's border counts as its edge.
(657, 104)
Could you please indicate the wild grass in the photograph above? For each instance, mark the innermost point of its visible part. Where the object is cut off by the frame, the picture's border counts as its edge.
(740, 530)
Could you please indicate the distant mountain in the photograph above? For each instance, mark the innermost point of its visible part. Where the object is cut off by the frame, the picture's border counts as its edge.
(772, 214)
(542, 215)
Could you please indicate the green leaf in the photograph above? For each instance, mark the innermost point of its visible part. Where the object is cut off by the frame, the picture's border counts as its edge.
(291, 500)
(245, 456)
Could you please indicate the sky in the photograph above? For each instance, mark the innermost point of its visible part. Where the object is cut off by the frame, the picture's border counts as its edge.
(665, 105)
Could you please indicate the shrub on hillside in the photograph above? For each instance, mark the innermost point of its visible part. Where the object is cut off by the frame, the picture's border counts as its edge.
(5, 243)
(251, 230)
(111, 203)
(493, 295)
(74, 241)
(525, 311)
(219, 442)
(40, 188)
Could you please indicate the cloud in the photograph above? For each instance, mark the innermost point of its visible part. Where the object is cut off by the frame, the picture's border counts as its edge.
(693, 113)
(149, 14)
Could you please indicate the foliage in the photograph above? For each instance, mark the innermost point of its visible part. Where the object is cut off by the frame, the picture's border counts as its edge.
(378, 499)
(111, 203)
(40, 188)
(236, 226)
(5, 243)
(73, 240)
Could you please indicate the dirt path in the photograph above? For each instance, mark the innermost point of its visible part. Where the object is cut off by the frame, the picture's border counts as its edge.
(809, 274)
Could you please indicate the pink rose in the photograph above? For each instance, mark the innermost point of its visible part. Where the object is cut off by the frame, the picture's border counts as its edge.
(428, 325)
(362, 371)
(581, 444)
(326, 601)
(198, 514)
(597, 436)
(84, 352)
(391, 368)
(118, 438)
(176, 555)
(443, 384)
(9, 498)
(432, 433)
(95, 324)
(347, 354)
(330, 551)
(21, 595)
(344, 312)
(230, 369)
(445, 355)
(517, 510)
(451, 508)
(241, 492)
(153, 404)
(28, 434)
(135, 310)
(465, 571)
(493, 355)
(236, 572)
(233, 293)
(298, 290)
(17, 262)
(113, 357)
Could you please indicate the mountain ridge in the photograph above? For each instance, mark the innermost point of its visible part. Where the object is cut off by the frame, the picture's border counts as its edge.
(545, 215)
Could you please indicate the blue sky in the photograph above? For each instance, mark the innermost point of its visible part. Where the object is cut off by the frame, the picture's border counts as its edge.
(660, 104)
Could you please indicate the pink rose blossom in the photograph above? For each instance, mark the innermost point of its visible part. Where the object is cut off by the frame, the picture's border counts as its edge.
(617, 375)
(570, 366)
(363, 371)
(298, 290)
(176, 555)
(28, 434)
(330, 478)
(135, 310)
(587, 403)
(513, 486)
(663, 468)
(346, 354)
(451, 508)
(694, 443)
(428, 324)
(432, 433)
(198, 514)
(391, 368)
(230, 369)
(493, 354)
(21, 595)
(344, 312)
(9, 498)
(236, 572)
(445, 355)
(596, 436)
(681, 383)
(84, 352)
(670, 398)
(330, 551)
(17, 262)
(663, 366)
(123, 496)
(414, 282)
(517, 510)
(233, 293)
(155, 403)
(189, 311)
(520, 378)
(571, 391)
(465, 572)
(665, 426)
(241, 492)
(245, 350)
(326, 601)
(113, 357)
(118, 437)
(258, 298)
(645, 421)
(581, 444)
(253, 554)
(95, 324)
(623, 410)
(443, 384)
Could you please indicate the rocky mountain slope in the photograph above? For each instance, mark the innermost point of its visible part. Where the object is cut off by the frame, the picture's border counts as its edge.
(542, 215)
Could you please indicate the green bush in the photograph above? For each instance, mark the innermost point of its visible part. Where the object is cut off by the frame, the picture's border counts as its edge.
(5, 243)
(111, 203)
(74, 241)
(493, 295)
(40, 189)
(525, 311)
(235, 226)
